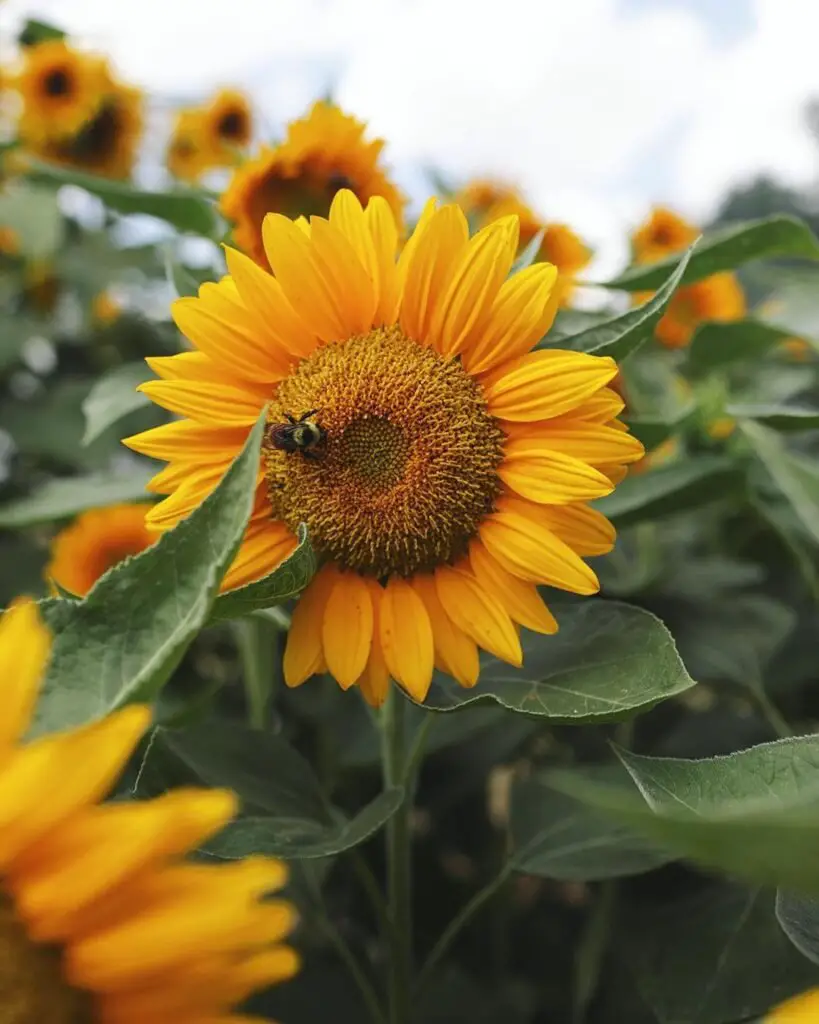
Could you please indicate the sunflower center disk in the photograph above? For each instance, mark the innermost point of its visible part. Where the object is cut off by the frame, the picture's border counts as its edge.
(32, 989)
(408, 466)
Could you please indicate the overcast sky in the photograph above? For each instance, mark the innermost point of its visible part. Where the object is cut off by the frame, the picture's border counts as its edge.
(597, 108)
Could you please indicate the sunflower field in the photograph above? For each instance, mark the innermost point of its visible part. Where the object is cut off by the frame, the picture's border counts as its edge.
(390, 635)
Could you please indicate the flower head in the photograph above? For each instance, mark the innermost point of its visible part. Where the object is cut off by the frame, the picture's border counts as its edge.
(718, 298)
(61, 90)
(96, 541)
(663, 233)
(446, 467)
(101, 918)
(187, 156)
(107, 143)
(321, 153)
(228, 123)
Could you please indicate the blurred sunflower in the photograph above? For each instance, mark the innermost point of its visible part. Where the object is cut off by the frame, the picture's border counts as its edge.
(228, 123)
(448, 469)
(100, 917)
(61, 90)
(477, 197)
(663, 233)
(105, 309)
(321, 153)
(107, 144)
(96, 541)
(801, 1009)
(187, 156)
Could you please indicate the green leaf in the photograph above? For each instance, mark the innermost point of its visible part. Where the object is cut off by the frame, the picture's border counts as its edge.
(728, 249)
(786, 418)
(555, 836)
(124, 639)
(35, 31)
(651, 431)
(66, 496)
(684, 484)
(608, 661)
(181, 280)
(287, 580)
(113, 396)
(186, 209)
(717, 345)
(798, 917)
(624, 335)
(301, 837)
(34, 214)
(750, 814)
(709, 957)
(796, 477)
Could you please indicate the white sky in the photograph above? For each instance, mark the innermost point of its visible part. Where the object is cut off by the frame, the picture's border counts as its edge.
(596, 107)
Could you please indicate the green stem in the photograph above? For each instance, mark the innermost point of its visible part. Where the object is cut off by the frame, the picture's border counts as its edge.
(399, 879)
(261, 665)
(454, 927)
(592, 950)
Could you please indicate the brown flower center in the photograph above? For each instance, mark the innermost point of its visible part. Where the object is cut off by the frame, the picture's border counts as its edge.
(57, 83)
(32, 987)
(406, 467)
(232, 125)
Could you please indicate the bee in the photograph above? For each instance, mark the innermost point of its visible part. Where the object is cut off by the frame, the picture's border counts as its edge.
(298, 435)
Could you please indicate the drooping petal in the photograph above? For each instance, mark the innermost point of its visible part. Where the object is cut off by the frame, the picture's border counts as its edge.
(455, 652)
(374, 682)
(549, 476)
(304, 652)
(520, 599)
(478, 613)
(406, 637)
(547, 383)
(265, 546)
(347, 630)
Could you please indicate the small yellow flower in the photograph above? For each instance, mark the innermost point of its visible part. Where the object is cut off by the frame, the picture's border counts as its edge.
(228, 124)
(802, 1009)
(664, 232)
(718, 298)
(797, 349)
(447, 468)
(105, 309)
(187, 156)
(107, 144)
(96, 541)
(721, 427)
(61, 90)
(321, 153)
(101, 917)
(9, 241)
(659, 456)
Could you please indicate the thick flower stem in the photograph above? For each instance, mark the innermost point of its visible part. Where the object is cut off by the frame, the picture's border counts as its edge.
(399, 852)
(257, 641)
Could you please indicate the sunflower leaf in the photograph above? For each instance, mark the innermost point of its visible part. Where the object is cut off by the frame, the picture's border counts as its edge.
(35, 31)
(62, 497)
(185, 209)
(623, 335)
(798, 917)
(113, 396)
(728, 249)
(716, 345)
(287, 580)
(751, 814)
(124, 639)
(669, 489)
(607, 662)
(785, 417)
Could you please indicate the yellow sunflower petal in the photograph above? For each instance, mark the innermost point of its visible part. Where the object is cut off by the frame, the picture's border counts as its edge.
(520, 599)
(266, 544)
(263, 296)
(549, 476)
(517, 319)
(547, 383)
(408, 250)
(523, 544)
(374, 681)
(208, 402)
(594, 443)
(25, 644)
(342, 268)
(584, 529)
(406, 637)
(455, 652)
(601, 407)
(181, 439)
(347, 630)
(435, 258)
(302, 278)
(381, 224)
(478, 613)
(348, 218)
(476, 280)
(304, 652)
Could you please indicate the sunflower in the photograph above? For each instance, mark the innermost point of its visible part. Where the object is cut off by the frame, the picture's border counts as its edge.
(107, 144)
(664, 232)
(228, 123)
(453, 465)
(480, 195)
(61, 90)
(96, 541)
(718, 298)
(801, 1009)
(321, 153)
(101, 920)
(187, 156)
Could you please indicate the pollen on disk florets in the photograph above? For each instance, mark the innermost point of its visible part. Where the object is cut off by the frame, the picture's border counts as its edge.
(408, 465)
(32, 989)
